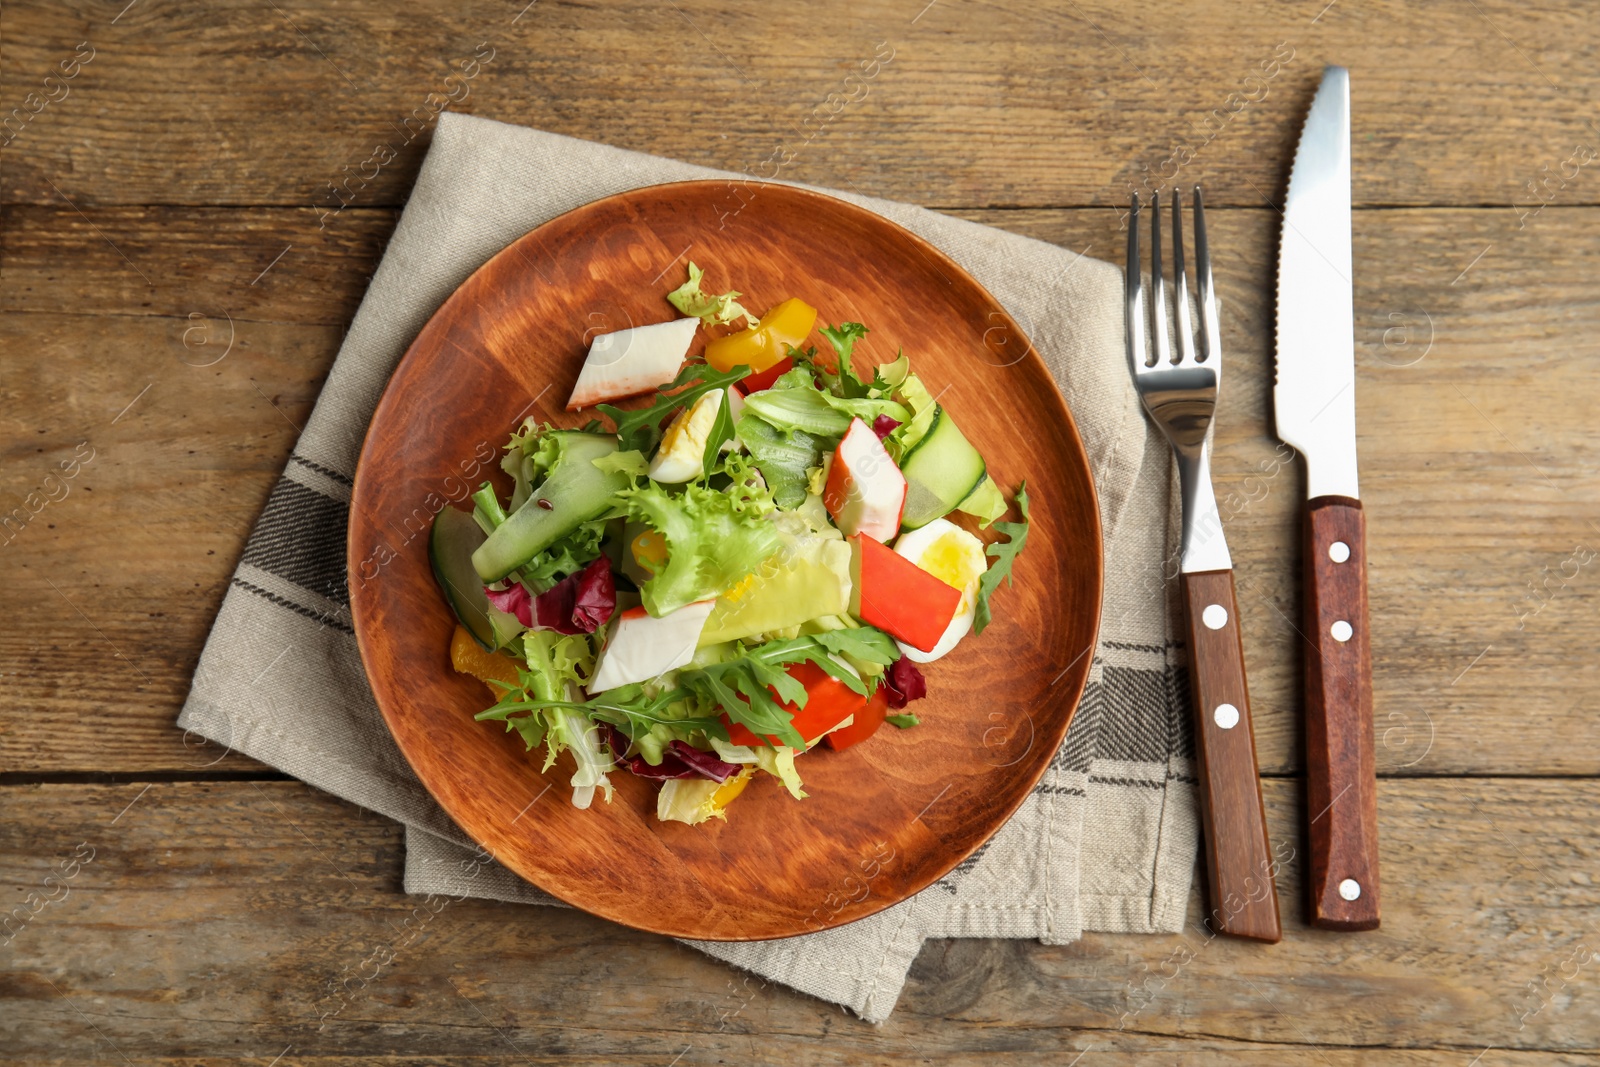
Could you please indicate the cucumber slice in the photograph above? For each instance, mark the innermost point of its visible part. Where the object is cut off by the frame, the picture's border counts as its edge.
(941, 471)
(575, 490)
(451, 543)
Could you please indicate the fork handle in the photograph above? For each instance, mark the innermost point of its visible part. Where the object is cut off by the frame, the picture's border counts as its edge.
(1239, 863)
(1341, 782)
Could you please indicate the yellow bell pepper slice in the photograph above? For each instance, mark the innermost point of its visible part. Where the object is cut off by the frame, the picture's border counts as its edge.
(783, 327)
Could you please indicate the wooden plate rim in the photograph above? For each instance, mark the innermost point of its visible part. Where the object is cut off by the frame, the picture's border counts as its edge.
(1076, 676)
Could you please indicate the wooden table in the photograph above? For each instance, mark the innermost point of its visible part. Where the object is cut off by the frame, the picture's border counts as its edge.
(176, 272)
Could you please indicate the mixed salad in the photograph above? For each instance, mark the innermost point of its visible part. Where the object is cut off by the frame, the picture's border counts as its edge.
(754, 562)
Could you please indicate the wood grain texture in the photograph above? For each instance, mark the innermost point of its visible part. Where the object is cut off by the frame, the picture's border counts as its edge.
(1341, 782)
(203, 140)
(207, 927)
(509, 344)
(1242, 896)
(1473, 396)
(1053, 104)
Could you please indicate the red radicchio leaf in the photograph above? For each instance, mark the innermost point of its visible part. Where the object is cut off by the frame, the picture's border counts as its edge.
(680, 760)
(904, 682)
(577, 604)
(513, 601)
(883, 426)
(704, 763)
(595, 598)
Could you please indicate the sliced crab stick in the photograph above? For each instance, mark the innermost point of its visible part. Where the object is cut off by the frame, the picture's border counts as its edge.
(897, 596)
(865, 492)
(642, 646)
(632, 361)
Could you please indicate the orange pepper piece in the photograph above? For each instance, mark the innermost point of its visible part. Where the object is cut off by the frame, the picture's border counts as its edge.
(468, 657)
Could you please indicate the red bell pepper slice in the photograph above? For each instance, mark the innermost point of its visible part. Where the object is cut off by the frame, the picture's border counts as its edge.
(763, 379)
(828, 703)
(897, 596)
(866, 723)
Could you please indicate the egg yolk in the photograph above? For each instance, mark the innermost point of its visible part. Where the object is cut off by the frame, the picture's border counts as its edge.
(949, 559)
(676, 432)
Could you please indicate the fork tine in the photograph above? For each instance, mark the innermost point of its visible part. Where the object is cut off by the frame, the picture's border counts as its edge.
(1211, 335)
(1158, 296)
(1180, 285)
(1134, 310)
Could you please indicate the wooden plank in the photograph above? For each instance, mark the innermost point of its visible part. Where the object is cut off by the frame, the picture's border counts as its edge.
(1060, 104)
(1477, 460)
(209, 920)
(112, 583)
(191, 264)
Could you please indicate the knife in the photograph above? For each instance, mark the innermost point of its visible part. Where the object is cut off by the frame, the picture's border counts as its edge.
(1315, 404)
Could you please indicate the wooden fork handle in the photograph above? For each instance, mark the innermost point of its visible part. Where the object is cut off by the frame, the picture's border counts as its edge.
(1341, 782)
(1243, 898)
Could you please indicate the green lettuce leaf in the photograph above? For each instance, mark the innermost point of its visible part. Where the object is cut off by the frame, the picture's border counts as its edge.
(568, 555)
(714, 538)
(784, 458)
(793, 402)
(985, 503)
(710, 309)
(688, 800)
(843, 338)
(888, 376)
(630, 462)
(922, 408)
(779, 762)
(1004, 554)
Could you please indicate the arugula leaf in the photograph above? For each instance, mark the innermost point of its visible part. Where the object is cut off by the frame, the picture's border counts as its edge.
(904, 721)
(1005, 554)
(721, 432)
(843, 338)
(739, 685)
(863, 642)
(710, 309)
(640, 430)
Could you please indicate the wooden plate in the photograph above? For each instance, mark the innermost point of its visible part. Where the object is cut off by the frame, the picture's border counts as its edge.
(883, 819)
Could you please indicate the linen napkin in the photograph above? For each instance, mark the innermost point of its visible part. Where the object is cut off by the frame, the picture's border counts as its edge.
(1107, 839)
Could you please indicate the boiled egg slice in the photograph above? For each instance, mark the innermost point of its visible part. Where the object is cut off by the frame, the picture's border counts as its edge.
(681, 457)
(956, 558)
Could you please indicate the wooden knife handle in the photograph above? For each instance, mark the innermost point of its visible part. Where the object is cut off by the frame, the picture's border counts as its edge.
(1341, 776)
(1243, 897)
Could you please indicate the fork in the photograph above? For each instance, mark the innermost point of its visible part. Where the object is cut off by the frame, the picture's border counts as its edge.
(1180, 395)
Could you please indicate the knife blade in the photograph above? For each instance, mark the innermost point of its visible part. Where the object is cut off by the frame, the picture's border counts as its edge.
(1314, 404)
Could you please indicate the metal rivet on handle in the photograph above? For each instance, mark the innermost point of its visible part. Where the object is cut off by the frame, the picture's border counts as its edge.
(1341, 630)
(1226, 715)
(1350, 889)
(1338, 551)
(1215, 616)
